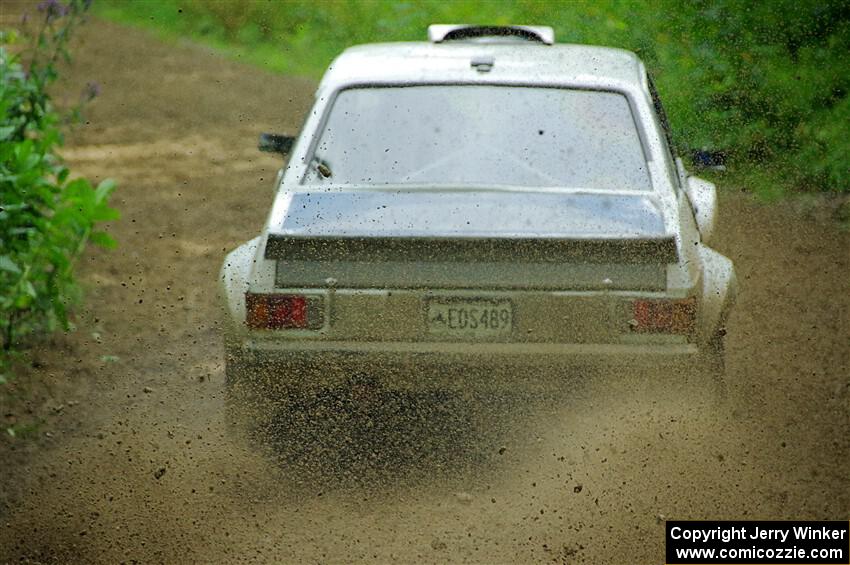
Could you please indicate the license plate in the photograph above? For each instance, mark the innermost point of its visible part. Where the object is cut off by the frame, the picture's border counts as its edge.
(470, 318)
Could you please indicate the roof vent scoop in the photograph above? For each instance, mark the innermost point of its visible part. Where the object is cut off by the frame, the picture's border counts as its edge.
(438, 33)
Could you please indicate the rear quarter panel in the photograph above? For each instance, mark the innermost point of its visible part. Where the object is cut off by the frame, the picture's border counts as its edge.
(719, 291)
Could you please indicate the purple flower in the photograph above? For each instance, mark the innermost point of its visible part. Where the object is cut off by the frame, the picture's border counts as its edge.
(53, 8)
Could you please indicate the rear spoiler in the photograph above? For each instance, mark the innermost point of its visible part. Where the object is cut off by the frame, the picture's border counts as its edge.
(463, 249)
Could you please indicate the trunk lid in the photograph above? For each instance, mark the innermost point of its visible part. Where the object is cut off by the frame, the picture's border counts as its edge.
(489, 239)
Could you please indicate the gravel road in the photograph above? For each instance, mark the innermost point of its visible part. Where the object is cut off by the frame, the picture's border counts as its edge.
(132, 462)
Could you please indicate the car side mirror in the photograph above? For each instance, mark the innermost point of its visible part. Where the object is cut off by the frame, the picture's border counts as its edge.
(276, 143)
(703, 197)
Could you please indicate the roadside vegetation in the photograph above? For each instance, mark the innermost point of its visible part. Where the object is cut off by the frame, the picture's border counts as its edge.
(47, 216)
(759, 87)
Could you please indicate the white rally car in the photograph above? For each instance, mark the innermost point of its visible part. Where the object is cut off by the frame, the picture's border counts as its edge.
(471, 212)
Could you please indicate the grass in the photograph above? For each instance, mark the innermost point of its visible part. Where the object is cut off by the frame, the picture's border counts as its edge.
(302, 38)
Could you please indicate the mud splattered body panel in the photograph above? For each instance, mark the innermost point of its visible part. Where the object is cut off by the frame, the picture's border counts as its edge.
(529, 214)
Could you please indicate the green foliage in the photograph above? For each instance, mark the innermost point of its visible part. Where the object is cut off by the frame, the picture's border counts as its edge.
(765, 82)
(46, 217)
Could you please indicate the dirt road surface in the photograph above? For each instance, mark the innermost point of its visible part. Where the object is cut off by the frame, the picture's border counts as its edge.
(132, 464)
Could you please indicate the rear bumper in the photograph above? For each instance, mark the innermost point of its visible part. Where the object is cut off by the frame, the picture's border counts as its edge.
(457, 366)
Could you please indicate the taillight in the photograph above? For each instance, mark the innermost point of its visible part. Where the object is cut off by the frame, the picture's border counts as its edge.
(669, 316)
(283, 311)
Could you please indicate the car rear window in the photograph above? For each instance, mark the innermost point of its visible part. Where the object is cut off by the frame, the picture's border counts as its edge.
(480, 135)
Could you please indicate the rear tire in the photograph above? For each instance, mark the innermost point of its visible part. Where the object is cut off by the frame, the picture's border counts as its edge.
(233, 401)
(713, 369)
(249, 407)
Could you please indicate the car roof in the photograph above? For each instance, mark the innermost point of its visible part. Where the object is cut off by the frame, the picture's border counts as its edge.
(513, 61)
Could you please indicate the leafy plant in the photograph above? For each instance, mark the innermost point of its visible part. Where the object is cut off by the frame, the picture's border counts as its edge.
(46, 217)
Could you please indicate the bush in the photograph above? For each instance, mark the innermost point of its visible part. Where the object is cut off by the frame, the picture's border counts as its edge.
(46, 217)
(765, 82)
